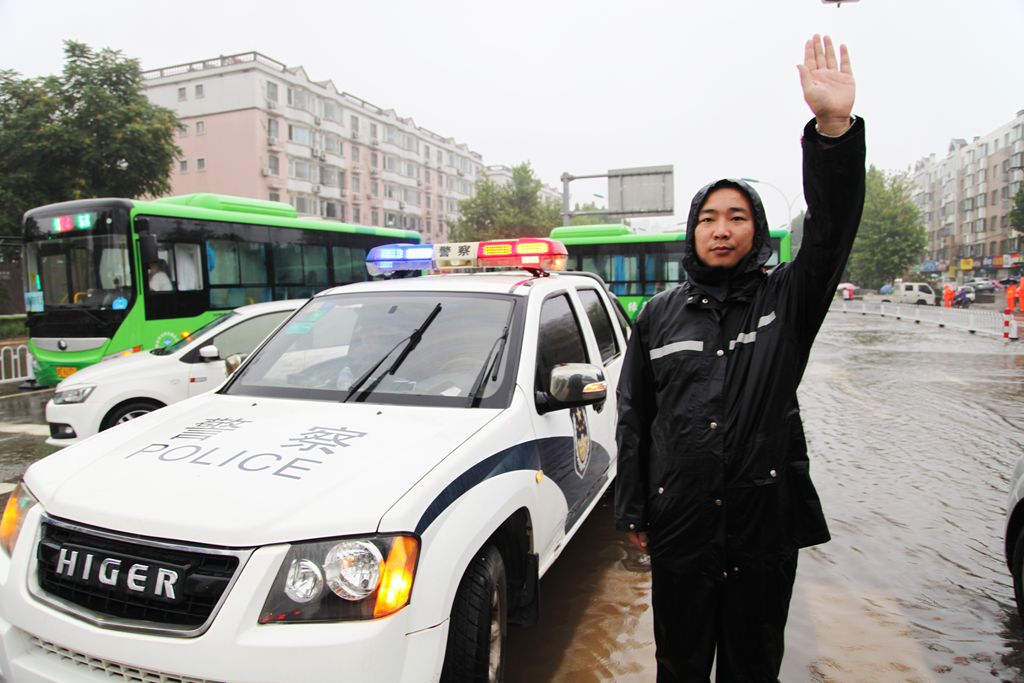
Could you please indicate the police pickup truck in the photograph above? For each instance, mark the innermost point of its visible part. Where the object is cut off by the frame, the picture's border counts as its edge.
(372, 496)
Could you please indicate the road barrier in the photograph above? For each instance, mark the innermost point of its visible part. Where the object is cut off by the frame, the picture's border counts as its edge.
(15, 363)
(973, 320)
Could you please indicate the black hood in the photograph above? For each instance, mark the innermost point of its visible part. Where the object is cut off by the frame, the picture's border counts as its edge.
(719, 281)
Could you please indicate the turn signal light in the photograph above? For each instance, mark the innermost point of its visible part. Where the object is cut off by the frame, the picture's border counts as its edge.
(396, 583)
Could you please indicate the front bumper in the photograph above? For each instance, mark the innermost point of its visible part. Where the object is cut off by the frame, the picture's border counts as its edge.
(82, 418)
(41, 644)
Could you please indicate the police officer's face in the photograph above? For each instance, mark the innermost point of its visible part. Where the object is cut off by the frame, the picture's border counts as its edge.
(725, 228)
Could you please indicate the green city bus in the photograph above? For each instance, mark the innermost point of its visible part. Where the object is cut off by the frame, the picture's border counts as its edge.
(635, 265)
(88, 296)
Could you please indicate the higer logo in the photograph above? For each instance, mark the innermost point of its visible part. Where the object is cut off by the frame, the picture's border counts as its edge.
(84, 566)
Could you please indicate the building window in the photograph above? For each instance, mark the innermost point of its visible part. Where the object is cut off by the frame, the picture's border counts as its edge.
(302, 204)
(273, 128)
(182, 94)
(355, 153)
(183, 166)
(272, 91)
(200, 127)
(199, 91)
(299, 169)
(354, 121)
(274, 164)
(356, 218)
(299, 134)
(200, 164)
(274, 196)
(373, 160)
(373, 134)
(374, 215)
(183, 131)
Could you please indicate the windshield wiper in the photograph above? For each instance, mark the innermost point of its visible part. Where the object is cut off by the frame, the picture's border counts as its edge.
(411, 341)
(497, 349)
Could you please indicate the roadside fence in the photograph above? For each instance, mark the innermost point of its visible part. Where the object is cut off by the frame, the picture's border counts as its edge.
(973, 320)
(15, 363)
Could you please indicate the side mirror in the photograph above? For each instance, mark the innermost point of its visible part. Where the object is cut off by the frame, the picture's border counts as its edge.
(573, 384)
(209, 353)
(232, 362)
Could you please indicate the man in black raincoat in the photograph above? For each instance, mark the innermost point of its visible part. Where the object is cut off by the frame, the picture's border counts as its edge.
(713, 476)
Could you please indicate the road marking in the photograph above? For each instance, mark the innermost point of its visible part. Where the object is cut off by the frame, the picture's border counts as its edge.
(18, 428)
(6, 488)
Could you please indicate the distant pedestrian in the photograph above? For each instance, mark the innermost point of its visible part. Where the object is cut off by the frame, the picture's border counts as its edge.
(1011, 296)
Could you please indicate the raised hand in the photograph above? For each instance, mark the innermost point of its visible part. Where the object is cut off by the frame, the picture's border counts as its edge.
(828, 86)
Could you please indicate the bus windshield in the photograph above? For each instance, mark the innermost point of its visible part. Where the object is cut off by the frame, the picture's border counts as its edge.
(84, 267)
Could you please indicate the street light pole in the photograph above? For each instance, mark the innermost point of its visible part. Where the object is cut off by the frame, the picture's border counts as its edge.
(789, 203)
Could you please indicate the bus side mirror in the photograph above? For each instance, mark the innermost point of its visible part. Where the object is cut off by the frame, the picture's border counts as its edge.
(147, 246)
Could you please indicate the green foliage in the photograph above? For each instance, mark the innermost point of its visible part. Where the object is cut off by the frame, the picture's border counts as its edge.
(13, 327)
(512, 210)
(891, 237)
(89, 132)
(1017, 212)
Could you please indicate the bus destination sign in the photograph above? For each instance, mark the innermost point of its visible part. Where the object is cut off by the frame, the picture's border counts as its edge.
(77, 221)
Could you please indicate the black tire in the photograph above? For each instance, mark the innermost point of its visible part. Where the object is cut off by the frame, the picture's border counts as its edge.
(129, 411)
(478, 630)
(1017, 568)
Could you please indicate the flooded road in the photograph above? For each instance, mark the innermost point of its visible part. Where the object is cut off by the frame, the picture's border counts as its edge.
(913, 434)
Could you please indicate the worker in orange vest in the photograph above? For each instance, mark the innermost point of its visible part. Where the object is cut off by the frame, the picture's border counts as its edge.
(947, 295)
(1020, 297)
(1011, 296)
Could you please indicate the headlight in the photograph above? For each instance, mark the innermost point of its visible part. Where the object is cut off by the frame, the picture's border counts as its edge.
(73, 395)
(18, 505)
(342, 580)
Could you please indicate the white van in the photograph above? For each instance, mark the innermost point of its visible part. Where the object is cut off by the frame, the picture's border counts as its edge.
(920, 293)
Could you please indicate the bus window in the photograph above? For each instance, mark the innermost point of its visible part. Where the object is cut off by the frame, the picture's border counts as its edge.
(187, 267)
(349, 265)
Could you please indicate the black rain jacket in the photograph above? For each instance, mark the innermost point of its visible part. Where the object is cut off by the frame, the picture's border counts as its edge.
(712, 460)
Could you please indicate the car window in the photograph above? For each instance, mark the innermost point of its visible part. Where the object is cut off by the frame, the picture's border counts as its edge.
(600, 322)
(246, 335)
(560, 339)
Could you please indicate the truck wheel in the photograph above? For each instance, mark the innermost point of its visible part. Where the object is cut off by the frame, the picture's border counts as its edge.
(479, 624)
(129, 411)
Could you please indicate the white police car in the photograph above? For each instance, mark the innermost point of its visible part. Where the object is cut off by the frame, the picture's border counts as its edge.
(124, 388)
(372, 496)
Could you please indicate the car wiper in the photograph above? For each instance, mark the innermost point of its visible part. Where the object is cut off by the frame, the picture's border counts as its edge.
(411, 341)
(485, 374)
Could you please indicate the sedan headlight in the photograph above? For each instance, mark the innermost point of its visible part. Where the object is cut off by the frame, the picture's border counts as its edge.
(18, 506)
(342, 580)
(73, 394)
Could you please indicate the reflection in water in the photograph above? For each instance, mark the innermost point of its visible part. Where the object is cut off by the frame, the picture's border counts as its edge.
(914, 432)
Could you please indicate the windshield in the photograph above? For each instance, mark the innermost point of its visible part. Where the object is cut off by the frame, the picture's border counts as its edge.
(77, 261)
(174, 347)
(334, 340)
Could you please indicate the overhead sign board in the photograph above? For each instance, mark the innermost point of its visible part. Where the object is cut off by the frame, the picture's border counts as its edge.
(641, 191)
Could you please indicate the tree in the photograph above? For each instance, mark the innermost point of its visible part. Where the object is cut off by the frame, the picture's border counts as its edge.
(512, 210)
(1017, 212)
(891, 235)
(89, 132)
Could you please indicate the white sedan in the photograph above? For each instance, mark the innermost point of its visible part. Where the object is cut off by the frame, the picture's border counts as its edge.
(121, 389)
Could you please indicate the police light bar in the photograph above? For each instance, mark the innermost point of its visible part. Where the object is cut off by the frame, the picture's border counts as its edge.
(391, 258)
(529, 253)
(532, 253)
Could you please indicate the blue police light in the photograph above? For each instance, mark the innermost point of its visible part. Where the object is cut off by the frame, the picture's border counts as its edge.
(391, 258)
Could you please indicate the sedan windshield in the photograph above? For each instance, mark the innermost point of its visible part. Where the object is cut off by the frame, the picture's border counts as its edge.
(422, 348)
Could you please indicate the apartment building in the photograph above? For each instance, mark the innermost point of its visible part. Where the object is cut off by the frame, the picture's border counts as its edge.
(256, 128)
(965, 200)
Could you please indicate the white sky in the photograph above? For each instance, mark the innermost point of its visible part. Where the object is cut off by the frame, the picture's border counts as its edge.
(583, 86)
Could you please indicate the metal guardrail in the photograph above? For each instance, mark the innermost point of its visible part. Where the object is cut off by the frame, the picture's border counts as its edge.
(15, 363)
(973, 320)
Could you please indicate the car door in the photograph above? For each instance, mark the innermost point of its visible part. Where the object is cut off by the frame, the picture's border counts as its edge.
(241, 338)
(570, 457)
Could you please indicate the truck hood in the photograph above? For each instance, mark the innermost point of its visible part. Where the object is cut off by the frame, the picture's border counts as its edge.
(242, 471)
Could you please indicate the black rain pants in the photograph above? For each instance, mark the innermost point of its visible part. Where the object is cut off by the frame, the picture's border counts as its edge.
(742, 614)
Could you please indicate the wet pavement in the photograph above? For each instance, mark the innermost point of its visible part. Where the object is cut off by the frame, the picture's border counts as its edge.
(913, 432)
